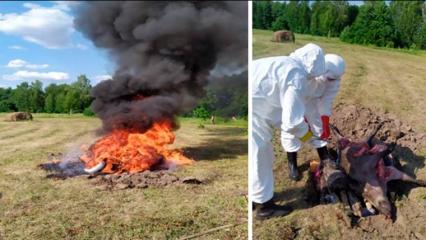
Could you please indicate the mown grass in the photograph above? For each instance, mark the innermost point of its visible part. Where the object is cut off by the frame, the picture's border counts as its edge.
(385, 78)
(35, 207)
(379, 78)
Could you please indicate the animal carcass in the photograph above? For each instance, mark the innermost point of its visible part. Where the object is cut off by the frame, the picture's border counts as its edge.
(364, 163)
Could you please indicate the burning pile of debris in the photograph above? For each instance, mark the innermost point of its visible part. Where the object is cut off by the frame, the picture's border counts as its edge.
(165, 54)
(359, 170)
(131, 151)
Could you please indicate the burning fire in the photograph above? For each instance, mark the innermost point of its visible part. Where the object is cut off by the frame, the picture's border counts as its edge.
(124, 150)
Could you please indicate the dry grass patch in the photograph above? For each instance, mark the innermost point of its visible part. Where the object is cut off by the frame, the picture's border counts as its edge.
(35, 207)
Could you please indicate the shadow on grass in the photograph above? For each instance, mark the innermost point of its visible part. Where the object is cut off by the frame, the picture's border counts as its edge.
(296, 197)
(412, 163)
(220, 145)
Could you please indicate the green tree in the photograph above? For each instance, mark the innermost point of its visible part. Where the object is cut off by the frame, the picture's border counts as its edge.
(291, 13)
(329, 17)
(21, 97)
(304, 17)
(36, 96)
(278, 9)
(82, 87)
(201, 112)
(353, 11)
(50, 102)
(60, 106)
(262, 14)
(317, 8)
(374, 25)
(267, 15)
(227, 96)
(279, 18)
(6, 103)
(407, 17)
(71, 101)
(420, 37)
(257, 14)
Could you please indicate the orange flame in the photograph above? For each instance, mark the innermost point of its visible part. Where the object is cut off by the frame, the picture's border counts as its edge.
(127, 151)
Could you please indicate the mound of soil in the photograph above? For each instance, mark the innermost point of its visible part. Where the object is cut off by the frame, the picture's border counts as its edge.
(357, 122)
(144, 179)
(58, 168)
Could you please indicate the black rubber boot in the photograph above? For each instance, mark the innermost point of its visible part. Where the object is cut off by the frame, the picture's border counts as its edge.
(325, 156)
(323, 153)
(269, 209)
(292, 166)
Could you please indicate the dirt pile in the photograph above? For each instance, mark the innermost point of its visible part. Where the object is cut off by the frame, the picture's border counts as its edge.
(60, 169)
(144, 179)
(356, 122)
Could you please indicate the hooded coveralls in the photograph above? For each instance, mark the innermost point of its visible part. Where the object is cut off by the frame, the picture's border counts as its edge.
(278, 100)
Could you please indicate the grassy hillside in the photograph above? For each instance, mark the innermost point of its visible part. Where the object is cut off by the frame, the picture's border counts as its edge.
(391, 79)
(35, 207)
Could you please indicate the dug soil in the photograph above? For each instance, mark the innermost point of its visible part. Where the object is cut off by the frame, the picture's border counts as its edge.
(332, 221)
(59, 169)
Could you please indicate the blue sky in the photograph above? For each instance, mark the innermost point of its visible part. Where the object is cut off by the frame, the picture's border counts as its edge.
(38, 41)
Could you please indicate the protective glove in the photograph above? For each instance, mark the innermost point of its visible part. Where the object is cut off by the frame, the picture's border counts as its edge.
(325, 127)
(307, 137)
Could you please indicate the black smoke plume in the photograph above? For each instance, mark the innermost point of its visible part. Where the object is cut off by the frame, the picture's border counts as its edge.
(164, 54)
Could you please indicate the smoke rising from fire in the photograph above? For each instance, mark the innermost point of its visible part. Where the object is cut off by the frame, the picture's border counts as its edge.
(164, 53)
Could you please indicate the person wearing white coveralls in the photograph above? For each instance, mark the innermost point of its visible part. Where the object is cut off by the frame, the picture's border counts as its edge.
(283, 93)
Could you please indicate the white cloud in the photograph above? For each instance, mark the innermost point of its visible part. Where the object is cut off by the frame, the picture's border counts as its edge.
(31, 5)
(66, 5)
(27, 75)
(102, 77)
(16, 63)
(17, 47)
(81, 46)
(19, 63)
(49, 27)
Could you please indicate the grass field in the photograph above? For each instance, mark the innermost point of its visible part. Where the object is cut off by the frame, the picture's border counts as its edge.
(35, 207)
(391, 79)
(387, 79)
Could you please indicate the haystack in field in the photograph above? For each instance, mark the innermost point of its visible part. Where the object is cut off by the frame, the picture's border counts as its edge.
(284, 36)
(19, 116)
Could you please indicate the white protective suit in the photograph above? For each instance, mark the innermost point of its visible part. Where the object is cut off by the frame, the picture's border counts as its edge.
(278, 100)
(319, 98)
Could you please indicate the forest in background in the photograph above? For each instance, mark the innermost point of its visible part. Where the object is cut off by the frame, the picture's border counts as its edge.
(225, 97)
(398, 24)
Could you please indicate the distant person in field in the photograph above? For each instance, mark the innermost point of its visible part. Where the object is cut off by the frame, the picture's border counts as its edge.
(213, 120)
(278, 98)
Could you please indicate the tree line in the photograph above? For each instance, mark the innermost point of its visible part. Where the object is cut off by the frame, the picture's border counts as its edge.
(225, 99)
(55, 98)
(401, 24)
